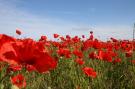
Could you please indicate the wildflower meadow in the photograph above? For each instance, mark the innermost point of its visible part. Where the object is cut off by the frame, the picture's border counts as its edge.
(66, 63)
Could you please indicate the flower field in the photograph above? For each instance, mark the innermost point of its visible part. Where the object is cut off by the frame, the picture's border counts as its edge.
(67, 63)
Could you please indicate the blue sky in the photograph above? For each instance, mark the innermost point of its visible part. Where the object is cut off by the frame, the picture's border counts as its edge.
(106, 18)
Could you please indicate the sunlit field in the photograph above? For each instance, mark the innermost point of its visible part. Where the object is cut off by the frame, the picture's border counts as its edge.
(66, 63)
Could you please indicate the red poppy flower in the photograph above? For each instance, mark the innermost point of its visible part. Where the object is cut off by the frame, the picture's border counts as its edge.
(43, 38)
(78, 53)
(33, 53)
(87, 44)
(76, 39)
(18, 32)
(68, 37)
(45, 63)
(89, 72)
(55, 35)
(114, 40)
(100, 54)
(91, 32)
(19, 81)
(30, 68)
(5, 38)
(93, 55)
(64, 52)
(105, 55)
(15, 68)
(117, 60)
(83, 36)
(97, 44)
(91, 37)
(79, 61)
(129, 53)
(62, 38)
(26, 52)
(7, 53)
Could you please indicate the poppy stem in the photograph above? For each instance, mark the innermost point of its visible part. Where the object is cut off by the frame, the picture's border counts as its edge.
(90, 81)
(3, 77)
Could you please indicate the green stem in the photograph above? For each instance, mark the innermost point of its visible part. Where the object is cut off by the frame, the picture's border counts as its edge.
(4, 77)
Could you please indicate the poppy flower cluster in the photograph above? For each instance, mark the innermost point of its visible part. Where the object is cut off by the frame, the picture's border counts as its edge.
(89, 72)
(19, 81)
(43, 55)
(26, 52)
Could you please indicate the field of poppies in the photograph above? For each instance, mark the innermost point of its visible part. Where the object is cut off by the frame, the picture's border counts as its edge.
(66, 63)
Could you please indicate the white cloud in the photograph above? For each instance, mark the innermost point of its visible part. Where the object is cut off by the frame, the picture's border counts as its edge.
(34, 26)
(119, 32)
